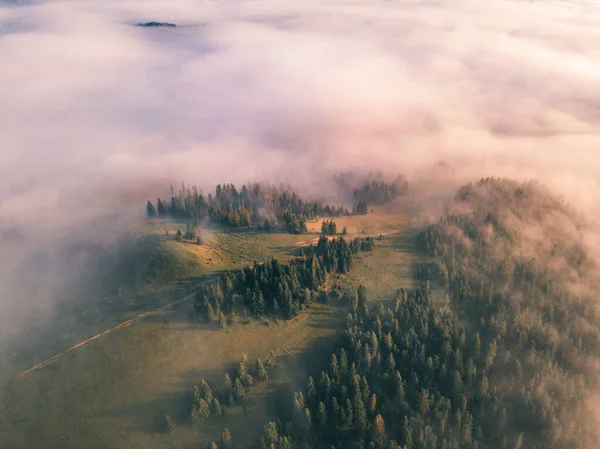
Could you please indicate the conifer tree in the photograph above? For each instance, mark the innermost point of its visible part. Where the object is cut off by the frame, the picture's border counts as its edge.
(226, 439)
(150, 210)
(215, 407)
(260, 371)
(168, 425)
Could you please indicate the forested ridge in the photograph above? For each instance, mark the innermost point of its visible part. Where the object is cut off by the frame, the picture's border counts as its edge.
(516, 262)
(507, 360)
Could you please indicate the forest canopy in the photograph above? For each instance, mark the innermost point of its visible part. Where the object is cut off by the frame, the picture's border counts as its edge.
(507, 360)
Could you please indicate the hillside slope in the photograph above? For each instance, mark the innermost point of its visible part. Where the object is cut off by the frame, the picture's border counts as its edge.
(520, 272)
(508, 360)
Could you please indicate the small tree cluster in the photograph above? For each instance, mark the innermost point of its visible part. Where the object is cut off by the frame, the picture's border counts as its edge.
(167, 424)
(238, 385)
(328, 227)
(192, 232)
(204, 403)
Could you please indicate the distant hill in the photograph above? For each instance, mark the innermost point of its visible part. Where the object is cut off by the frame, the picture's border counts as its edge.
(157, 24)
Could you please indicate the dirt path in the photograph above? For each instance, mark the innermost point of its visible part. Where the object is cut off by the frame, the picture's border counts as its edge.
(141, 316)
(330, 237)
(110, 330)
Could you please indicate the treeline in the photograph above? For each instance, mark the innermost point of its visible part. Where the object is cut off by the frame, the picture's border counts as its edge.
(274, 288)
(377, 192)
(253, 205)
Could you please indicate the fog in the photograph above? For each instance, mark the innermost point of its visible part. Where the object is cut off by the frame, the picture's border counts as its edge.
(97, 115)
(95, 112)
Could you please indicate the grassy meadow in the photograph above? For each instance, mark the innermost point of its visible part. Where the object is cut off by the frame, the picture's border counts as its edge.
(113, 392)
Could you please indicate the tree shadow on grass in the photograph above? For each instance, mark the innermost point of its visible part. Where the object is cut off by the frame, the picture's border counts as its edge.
(269, 401)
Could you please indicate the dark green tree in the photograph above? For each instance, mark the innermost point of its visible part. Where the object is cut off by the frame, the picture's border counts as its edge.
(150, 210)
(161, 207)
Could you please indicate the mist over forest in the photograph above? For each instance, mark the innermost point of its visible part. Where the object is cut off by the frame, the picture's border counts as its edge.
(99, 110)
(148, 148)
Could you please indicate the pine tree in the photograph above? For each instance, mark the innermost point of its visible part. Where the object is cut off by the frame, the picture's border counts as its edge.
(239, 393)
(322, 415)
(491, 354)
(285, 443)
(150, 210)
(258, 303)
(362, 296)
(161, 208)
(271, 361)
(233, 319)
(311, 391)
(332, 228)
(227, 387)
(407, 433)
(200, 411)
(476, 346)
(225, 439)
(196, 396)
(334, 369)
(373, 404)
(205, 391)
(260, 371)
(168, 425)
(215, 407)
(270, 438)
(377, 428)
(360, 414)
(349, 415)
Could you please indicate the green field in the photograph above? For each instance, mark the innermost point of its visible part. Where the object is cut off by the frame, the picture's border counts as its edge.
(113, 392)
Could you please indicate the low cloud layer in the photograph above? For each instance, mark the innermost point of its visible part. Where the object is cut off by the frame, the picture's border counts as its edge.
(96, 112)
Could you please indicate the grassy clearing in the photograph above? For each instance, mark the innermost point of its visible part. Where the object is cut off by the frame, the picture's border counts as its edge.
(388, 268)
(114, 392)
(227, 248)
